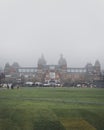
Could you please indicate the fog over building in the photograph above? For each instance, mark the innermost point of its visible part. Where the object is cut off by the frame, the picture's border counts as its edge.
(30, 27)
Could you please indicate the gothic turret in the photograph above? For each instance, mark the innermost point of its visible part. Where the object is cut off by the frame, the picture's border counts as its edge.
(41, 62)
(62, 62)
(97, 67)
(7, 68)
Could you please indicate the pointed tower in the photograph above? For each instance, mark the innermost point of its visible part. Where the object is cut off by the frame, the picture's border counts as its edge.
(62, 62)
(97, 67)
(7, 69)
(41, 62)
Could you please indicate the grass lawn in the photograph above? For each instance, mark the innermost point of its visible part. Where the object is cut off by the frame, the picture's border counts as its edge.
(52, 109)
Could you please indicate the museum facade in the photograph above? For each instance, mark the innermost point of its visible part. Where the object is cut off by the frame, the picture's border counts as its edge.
(59, 73)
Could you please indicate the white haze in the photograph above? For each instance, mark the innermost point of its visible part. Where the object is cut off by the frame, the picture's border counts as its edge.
(29, 28)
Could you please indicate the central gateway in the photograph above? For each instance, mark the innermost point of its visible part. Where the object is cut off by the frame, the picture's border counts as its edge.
(51, 72)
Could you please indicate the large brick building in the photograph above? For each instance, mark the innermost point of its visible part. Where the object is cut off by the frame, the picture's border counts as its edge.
(58, 73)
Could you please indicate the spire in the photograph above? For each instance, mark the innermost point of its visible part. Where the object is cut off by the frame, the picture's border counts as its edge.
(62, 61)
(97, 63)
(97, 67)
(41, 61)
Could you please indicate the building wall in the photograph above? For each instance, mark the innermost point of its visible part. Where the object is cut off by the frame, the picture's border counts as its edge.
(59, 72)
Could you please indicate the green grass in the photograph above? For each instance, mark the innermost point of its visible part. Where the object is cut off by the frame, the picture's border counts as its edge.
(52, 109)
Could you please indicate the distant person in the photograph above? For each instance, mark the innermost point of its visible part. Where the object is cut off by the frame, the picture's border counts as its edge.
(12, 86)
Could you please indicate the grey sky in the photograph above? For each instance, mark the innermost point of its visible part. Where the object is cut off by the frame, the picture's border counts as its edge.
(29, 28)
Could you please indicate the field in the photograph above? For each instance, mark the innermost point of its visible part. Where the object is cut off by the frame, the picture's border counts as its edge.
(52, 109)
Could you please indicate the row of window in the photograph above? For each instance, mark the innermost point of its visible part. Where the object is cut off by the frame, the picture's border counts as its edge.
(68, 70)
(27, 70)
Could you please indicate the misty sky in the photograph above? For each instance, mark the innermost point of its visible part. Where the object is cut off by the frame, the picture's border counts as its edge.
(29, 28)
